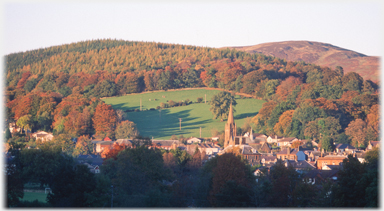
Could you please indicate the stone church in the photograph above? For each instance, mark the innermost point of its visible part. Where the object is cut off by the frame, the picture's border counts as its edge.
(230, 137)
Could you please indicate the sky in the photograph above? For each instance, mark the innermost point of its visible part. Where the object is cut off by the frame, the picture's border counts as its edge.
(354, 25)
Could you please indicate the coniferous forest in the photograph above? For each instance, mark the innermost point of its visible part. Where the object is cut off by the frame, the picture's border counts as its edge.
(58, 90)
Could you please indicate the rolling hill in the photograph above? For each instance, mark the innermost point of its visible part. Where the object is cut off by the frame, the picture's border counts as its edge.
(322, 54)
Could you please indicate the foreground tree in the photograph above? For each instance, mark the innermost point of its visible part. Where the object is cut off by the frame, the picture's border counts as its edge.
(220, 105)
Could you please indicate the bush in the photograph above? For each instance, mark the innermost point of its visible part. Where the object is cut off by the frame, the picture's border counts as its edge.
(164, 105)
(137, 110)
(187, 102)
(172, 103)
(157, 107)
(152, 109)
(199, 99)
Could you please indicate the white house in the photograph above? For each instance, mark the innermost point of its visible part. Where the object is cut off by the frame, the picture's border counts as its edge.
(194, 140)
(43, 136)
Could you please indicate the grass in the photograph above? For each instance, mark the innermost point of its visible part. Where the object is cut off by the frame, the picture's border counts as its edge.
(32, 196)
(194, 116)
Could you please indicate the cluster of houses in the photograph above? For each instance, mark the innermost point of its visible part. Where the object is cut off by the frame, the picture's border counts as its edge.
(258, 149)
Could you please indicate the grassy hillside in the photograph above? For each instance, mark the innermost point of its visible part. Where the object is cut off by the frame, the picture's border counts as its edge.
(194, 116)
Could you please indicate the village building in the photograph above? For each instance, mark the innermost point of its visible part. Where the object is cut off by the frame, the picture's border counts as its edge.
(128, 143)
(251, 155)
(274, 139)
(42, 136)
(345, 148)
(330, 160)
(373, 144)
(165, 144)
(291, 154)
(265, 148)
(230, 130)
(318, 177)
(100, 146)
(13, 128)
(268, 159)
(300, 166)
(260, 137)
(194, 140)
(286, 141)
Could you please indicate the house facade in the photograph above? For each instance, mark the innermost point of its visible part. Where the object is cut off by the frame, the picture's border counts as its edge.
(330, 160)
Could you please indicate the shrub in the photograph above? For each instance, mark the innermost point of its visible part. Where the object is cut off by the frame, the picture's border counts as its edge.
(172, 103)
(164, 105)
(199, 99)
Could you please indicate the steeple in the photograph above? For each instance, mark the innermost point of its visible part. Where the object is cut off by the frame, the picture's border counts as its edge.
(230, 128)
(230, 115)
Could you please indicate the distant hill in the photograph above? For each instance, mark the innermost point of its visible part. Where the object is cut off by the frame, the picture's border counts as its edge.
(322, 54)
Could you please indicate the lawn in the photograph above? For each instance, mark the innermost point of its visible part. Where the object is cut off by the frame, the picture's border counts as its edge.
(164, 124)
(32, 196)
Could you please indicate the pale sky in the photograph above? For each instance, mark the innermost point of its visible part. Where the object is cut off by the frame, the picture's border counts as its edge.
(354, 25)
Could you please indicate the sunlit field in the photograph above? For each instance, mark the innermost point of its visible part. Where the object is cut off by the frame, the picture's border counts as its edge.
(165, 123)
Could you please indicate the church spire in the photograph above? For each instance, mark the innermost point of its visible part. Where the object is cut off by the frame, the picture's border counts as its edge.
(230, 115)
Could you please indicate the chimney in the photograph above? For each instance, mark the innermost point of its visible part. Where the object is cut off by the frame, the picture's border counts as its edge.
(276, 137)
(288, 150)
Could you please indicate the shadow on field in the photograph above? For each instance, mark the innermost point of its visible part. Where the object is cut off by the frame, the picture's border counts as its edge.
(169, 124)
(241, 116)
(124, 107)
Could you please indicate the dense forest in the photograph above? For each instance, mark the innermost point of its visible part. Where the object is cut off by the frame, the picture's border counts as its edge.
(58, 89)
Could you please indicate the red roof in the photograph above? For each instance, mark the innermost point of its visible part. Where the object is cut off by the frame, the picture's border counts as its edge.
(107, 139)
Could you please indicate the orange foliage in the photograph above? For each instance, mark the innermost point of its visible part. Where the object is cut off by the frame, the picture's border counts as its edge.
(286, 87)
(23, 80)
(373, 118)
(104, 120)
(285, 120)
(113, 151)
(296, 144)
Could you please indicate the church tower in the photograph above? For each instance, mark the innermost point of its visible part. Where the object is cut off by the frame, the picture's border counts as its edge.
(230, 129)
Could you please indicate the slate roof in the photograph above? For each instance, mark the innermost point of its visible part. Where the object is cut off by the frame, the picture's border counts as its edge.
(302, 164)
(293, 151)
(124, 141)
(248, 150)
(164, 142)
(344, 146)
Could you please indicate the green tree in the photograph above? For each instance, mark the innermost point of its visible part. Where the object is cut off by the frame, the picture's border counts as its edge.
(350, 190)
(8, 134)
(105, 88)
(125, 130)
(71, 186)
(14, 185)
(220, 105)
(25, 122)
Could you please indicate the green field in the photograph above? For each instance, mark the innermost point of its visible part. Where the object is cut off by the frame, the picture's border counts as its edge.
(32, 196)
(194, 116)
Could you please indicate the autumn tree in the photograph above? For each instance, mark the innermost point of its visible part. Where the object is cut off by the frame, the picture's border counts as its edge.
(356, 130)
(104, 120)
(286, 86)
(285, 120)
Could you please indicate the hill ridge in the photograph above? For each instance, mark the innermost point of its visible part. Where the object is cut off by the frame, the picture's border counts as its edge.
(319, 53)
